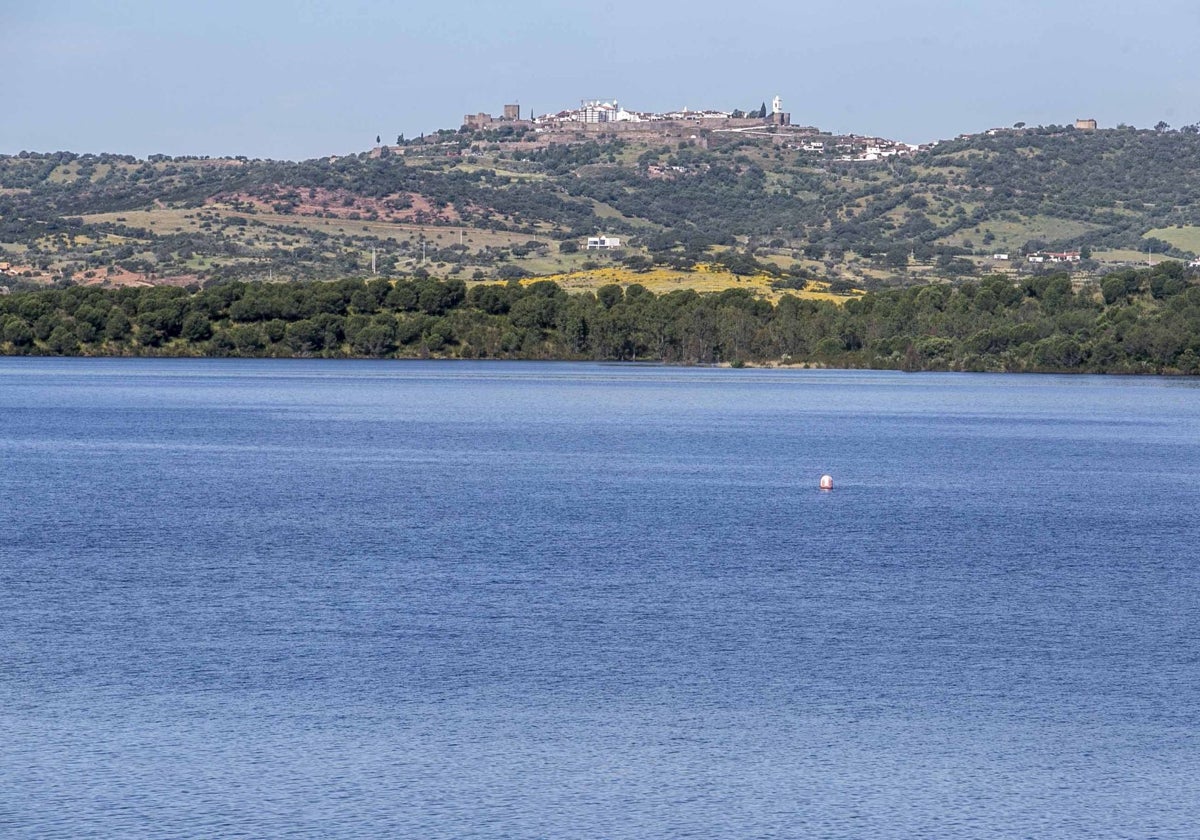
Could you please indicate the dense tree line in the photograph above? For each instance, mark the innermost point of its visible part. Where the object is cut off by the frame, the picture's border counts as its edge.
(1139, 321)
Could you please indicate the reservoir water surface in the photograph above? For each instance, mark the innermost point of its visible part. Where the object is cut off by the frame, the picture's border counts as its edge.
(366, 599)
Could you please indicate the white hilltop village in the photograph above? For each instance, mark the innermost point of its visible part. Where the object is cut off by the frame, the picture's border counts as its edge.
(703, 127)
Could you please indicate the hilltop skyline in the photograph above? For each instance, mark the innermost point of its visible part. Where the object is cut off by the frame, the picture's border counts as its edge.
(298, 81)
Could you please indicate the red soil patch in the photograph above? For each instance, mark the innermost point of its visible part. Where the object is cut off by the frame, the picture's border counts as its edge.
(118, 277)
(26, 273)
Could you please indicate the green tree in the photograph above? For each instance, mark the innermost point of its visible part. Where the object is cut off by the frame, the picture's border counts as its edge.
(492, 298)
(45, 325)
(638, 262)
(248, 339)
(374, 340)
(896, 257)
(18, 332)
(610, 295)
(196, 327)
(117, 326)
(403, 297)
(535, 312)
(437, 298)
(1113, 289)
(62, 341)
(304, 337)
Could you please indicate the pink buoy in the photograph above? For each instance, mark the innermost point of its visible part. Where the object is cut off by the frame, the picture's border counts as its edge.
(826, 482)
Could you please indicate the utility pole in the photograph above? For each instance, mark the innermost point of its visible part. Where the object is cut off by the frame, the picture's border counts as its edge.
(373, 271)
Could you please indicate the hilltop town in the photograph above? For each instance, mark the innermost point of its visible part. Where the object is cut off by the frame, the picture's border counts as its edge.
(597, 119)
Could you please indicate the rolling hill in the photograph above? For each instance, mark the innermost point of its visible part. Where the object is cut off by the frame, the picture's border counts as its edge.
(750, 206)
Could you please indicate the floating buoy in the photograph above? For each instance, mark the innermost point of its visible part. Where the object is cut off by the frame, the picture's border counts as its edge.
(826, 482)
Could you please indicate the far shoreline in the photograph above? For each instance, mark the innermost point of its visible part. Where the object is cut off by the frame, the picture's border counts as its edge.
(798, 367)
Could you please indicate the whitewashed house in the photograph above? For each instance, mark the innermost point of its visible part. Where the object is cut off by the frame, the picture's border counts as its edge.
(603, 243)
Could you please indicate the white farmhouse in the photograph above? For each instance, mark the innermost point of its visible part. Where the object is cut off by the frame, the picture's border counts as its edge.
(603, 243)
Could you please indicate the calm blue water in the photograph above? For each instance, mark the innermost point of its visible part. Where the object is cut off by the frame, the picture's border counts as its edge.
(309, 599)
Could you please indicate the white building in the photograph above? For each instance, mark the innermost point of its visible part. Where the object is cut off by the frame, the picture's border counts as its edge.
(603, 243)
(598, 111)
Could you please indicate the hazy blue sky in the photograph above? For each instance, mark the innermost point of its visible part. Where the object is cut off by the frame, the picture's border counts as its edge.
(307, 78)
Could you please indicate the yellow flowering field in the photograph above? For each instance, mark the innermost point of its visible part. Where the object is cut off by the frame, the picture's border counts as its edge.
(706, 278)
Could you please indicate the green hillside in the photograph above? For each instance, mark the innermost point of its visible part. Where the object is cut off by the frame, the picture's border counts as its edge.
(448, 206)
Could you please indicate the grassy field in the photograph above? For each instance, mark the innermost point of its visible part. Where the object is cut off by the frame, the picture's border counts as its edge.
(1122, 256)
(501, 171)
(159, 220)
(1186, 238)
(1010, 236)
(607, 211)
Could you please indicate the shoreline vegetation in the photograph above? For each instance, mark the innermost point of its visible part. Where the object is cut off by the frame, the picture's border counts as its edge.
(1136, 321)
